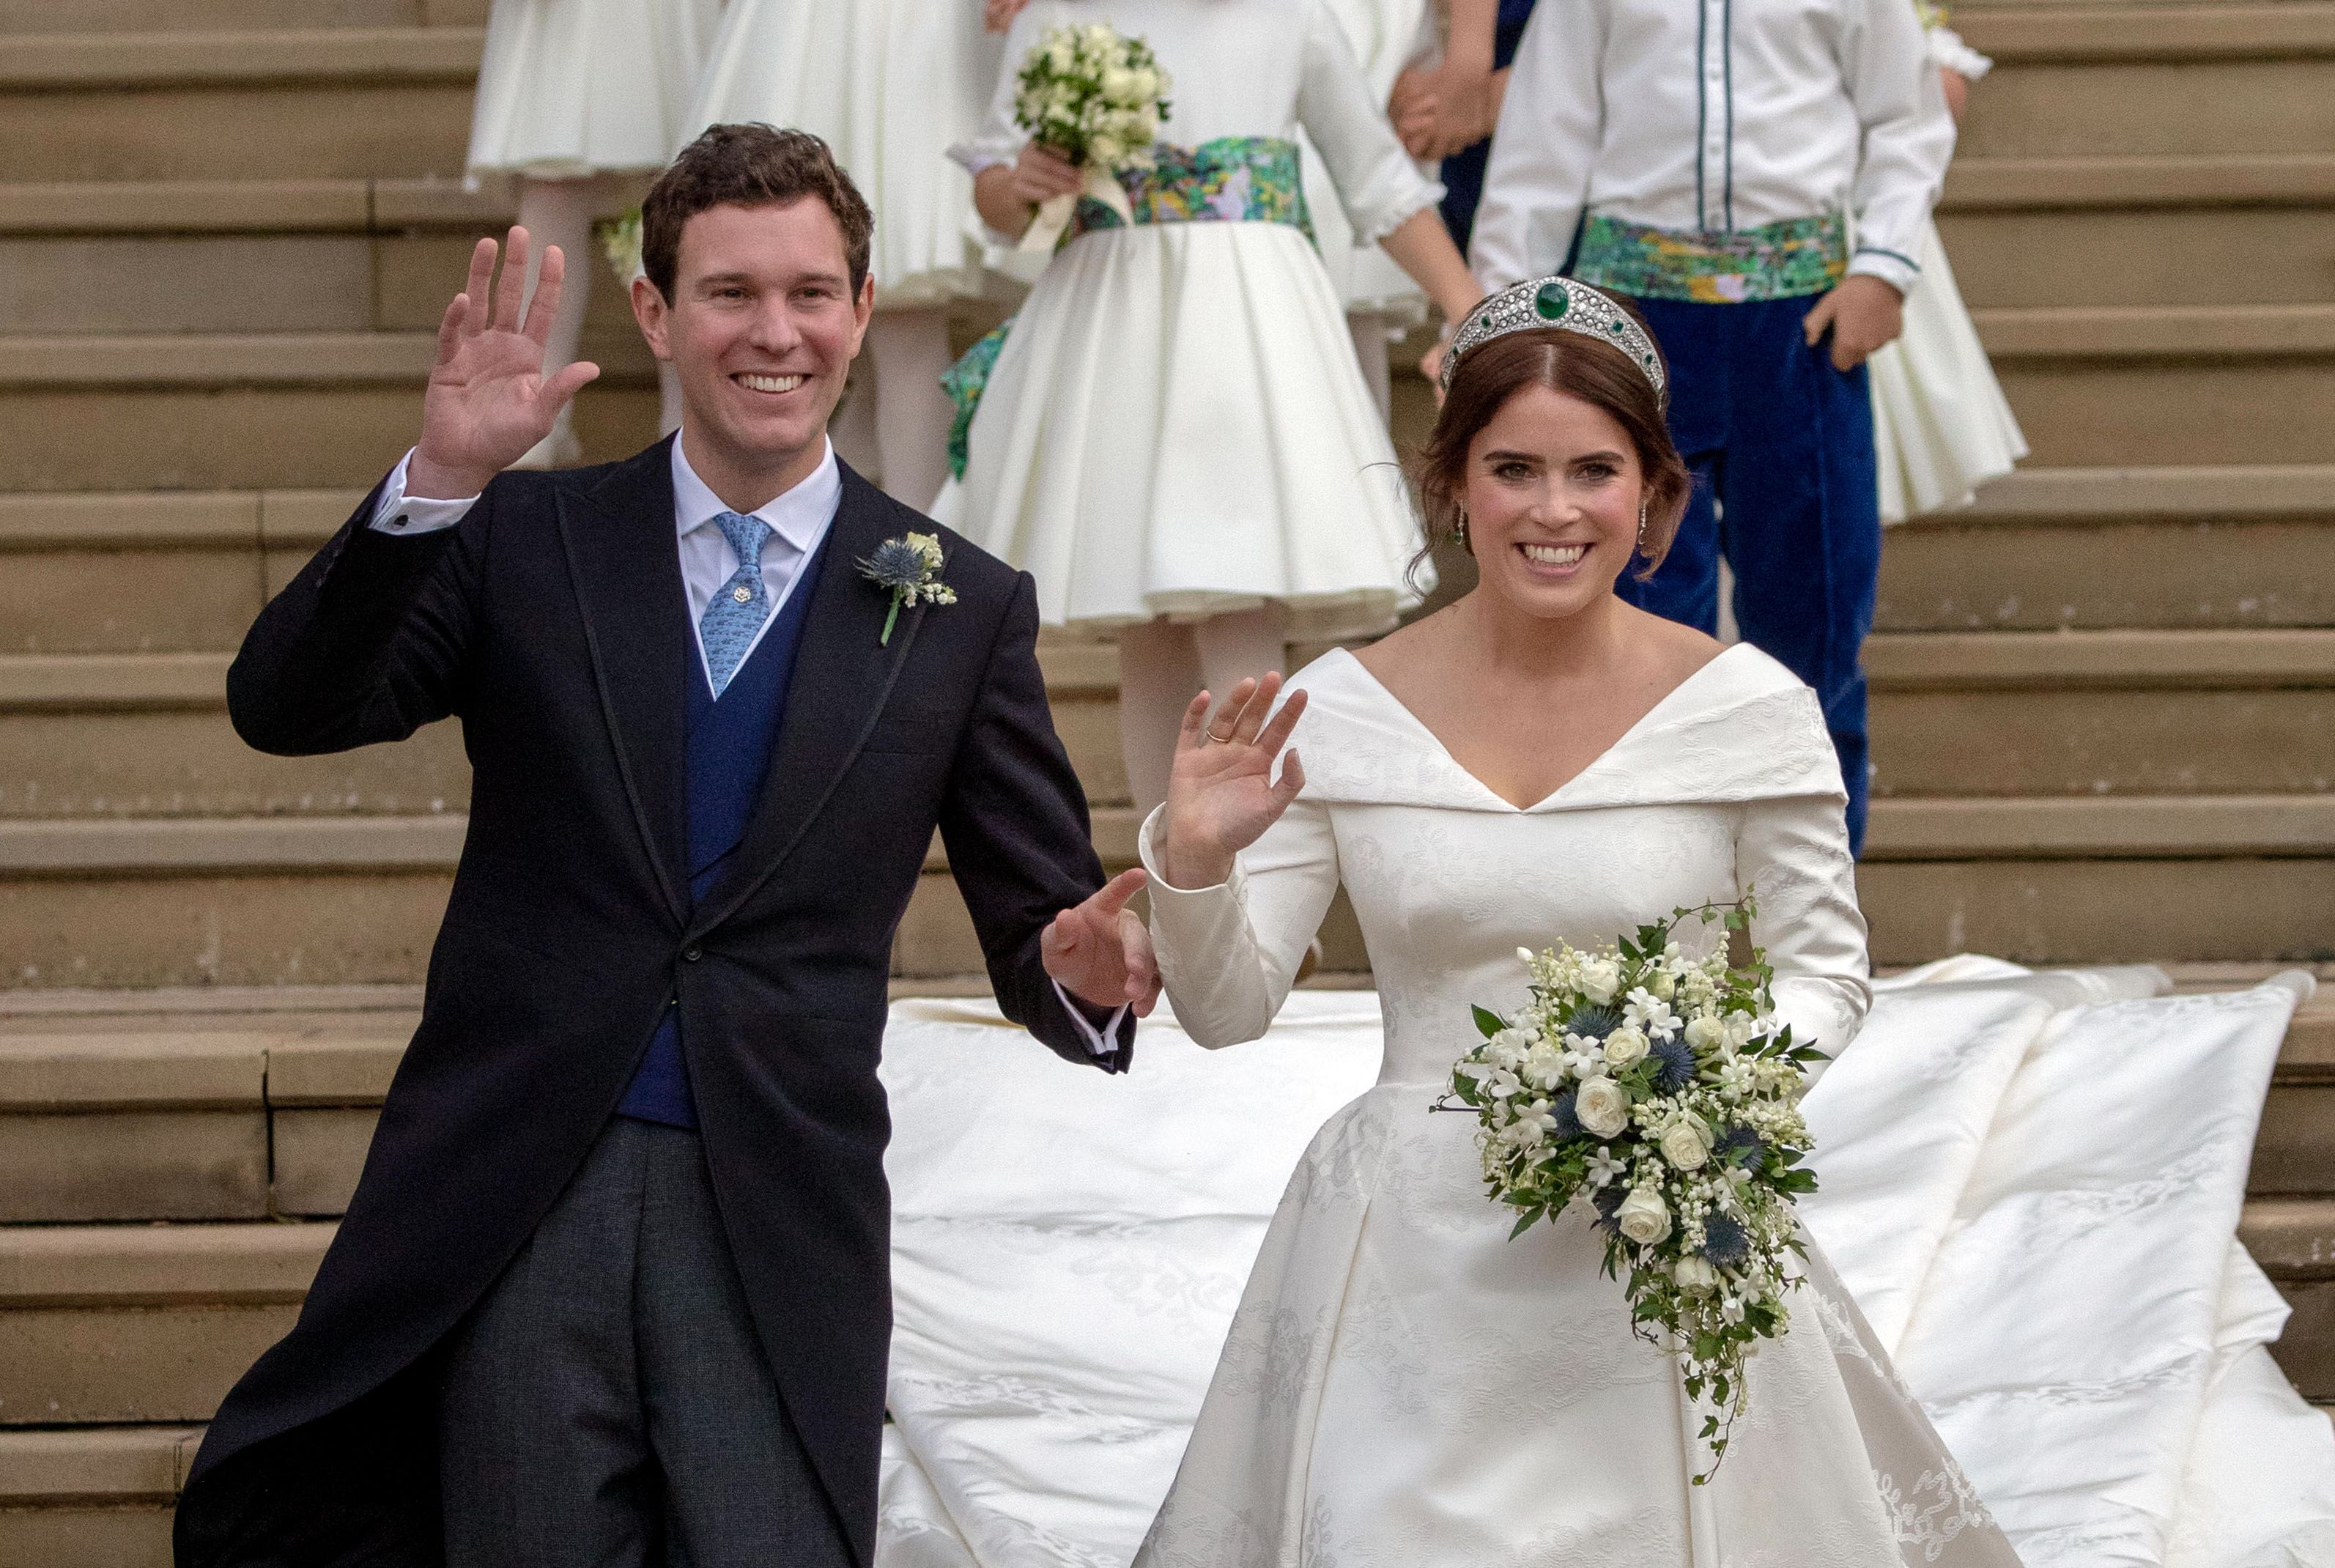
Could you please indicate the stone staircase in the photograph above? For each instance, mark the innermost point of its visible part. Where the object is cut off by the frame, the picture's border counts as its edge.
(2103, 697)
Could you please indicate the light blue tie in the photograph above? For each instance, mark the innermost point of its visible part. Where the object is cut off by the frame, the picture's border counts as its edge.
(739, 605)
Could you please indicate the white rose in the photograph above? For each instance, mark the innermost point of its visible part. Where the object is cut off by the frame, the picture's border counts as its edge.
(1662, 983)
(1705, 1032)
(1624, 1046)
(1603, 1106)
(1119, 86)
(1600, 979)
(1644, 1217)
(1686, 1145)
(1105, 152)
(1695, 1276)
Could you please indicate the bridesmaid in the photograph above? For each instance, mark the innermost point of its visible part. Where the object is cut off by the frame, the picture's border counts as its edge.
(888, 84)
(579, 102)
(1175, 438)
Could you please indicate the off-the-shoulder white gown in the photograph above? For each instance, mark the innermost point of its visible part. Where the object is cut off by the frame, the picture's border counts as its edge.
(1403, 1385)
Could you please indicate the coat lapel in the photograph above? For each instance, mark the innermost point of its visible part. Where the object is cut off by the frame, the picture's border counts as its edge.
(842, 677)
(620, 557)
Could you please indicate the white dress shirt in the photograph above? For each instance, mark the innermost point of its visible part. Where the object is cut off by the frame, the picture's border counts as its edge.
(798, 517)
(1716, 116)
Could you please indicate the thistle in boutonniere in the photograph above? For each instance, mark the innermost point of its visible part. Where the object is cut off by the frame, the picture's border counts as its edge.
(910, 570)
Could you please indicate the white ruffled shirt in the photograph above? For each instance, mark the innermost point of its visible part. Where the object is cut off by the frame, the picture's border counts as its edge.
(1716, 116)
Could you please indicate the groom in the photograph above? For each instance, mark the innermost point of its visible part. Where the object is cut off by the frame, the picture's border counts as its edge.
(612, 1288)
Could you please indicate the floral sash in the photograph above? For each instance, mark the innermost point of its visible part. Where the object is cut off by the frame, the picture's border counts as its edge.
(1798, 255)
(1232, 179)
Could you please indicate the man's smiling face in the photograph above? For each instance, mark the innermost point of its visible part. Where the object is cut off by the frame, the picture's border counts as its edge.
(762, 329)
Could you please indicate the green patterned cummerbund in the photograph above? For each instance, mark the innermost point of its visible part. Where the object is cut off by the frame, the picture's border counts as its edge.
(1232, 179)
(1798, 255)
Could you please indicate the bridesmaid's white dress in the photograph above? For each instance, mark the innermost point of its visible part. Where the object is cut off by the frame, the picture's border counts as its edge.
(888, 84)
(1941, 425)
(1405, 1386)
(573, 87)
(1388, 37)
(1177, 424)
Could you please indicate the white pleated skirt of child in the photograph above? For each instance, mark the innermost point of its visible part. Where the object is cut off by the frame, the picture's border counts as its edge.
(1941, 425)
(888, 84)
(568, 89)
(1177, 426)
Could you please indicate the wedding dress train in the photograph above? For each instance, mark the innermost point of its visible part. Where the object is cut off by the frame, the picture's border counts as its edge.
(2031, 1187)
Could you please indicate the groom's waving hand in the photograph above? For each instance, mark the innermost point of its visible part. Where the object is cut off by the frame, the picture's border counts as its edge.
(613, 1288)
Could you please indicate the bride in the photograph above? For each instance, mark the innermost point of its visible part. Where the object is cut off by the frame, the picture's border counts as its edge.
(1403, 1384)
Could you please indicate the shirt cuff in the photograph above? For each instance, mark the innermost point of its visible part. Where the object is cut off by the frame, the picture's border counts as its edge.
(1103, 1040)
(395, 514)
(1898, 270)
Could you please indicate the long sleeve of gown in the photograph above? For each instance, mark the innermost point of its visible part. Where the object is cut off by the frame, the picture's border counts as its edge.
(1229, 953)
(1792, 853)
(1377, 184)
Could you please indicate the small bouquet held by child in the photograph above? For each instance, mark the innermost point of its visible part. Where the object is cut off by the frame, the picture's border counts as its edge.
(1663, 1090)
(1095, 98)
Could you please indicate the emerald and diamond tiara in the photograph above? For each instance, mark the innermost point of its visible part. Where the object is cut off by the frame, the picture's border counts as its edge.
(1566, 304)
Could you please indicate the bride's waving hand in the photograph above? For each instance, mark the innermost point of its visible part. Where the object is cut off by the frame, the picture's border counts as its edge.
(1222, 794)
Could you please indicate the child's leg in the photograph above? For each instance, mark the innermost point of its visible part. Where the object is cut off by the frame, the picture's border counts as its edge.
(1695, 338)
(1369, 328)
(1803, 529)
(559, 212)
(1159, 672)
(911, 352)
(1234, 648)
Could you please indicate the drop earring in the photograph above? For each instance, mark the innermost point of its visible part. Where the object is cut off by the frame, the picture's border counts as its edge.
(1641, 529)
(1459, 532)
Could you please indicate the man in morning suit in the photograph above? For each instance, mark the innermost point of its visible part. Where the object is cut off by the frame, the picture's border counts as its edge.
(612, 1288)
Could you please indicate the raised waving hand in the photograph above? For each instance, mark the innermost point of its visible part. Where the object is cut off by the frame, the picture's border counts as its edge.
(1222, 794)
(488, 400)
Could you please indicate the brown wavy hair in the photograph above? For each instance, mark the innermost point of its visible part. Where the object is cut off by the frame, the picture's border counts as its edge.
(1593, 370)
(754, 166)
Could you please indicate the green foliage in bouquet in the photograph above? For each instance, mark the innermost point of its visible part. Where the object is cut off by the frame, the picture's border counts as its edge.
(1663, 1090)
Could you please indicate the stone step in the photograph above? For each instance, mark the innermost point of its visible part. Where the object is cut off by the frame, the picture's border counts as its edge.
(294, 411)
(146, 735)
(92, 1497)
(245, 1116)
(2190, 548)
(300, 102)
(2056, 257)
(2097, 79)
(2293, 1239)
(19, 18)
(113, 902)
(149, 1323)
(2193, 549)
(2093, 714)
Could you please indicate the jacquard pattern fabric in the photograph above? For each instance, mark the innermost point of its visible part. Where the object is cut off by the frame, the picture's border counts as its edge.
(741, 604)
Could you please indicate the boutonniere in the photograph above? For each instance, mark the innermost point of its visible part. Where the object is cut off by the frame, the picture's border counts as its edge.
(910, 569)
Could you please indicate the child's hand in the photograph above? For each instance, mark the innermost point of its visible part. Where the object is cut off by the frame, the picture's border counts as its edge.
(1040, 176)
(997, 16)
(1863, 313)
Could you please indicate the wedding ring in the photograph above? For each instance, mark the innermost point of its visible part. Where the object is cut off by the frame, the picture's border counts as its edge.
(1220, 739)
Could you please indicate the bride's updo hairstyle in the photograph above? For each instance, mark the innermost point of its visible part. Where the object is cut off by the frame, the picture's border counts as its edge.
(1598, 373)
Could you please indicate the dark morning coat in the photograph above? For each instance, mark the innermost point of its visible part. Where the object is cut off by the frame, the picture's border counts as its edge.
(552, 622)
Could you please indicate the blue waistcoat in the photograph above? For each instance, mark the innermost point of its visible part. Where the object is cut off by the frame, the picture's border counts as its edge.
(728, 752)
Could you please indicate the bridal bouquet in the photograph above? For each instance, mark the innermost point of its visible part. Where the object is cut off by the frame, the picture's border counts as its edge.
(1661, 1089)
(1096, 98)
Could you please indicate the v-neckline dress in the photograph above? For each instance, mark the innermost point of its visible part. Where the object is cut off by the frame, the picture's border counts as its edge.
(1403, 1384)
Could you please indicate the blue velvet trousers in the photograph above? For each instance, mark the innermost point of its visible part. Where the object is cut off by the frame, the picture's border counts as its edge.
(1780, 445)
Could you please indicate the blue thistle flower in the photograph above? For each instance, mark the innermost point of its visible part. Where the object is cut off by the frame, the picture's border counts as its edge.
(1593, 1022)
(1741, 1145)
(1568, 1118)
(1674, 1064)
(1725, 1243)
(896, 565)
(1608, 1200)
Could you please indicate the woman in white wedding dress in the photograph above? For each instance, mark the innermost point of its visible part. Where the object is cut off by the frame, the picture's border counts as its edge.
(1403, 1384)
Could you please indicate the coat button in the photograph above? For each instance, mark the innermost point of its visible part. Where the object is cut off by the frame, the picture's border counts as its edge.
(692, 954)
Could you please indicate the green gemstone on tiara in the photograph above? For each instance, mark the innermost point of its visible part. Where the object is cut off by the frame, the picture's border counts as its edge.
(1552, 302)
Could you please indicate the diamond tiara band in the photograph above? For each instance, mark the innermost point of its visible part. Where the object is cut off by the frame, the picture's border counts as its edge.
(1566, 304)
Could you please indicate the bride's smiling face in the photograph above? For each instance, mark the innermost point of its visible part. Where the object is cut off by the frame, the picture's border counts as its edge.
(1552, 493)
